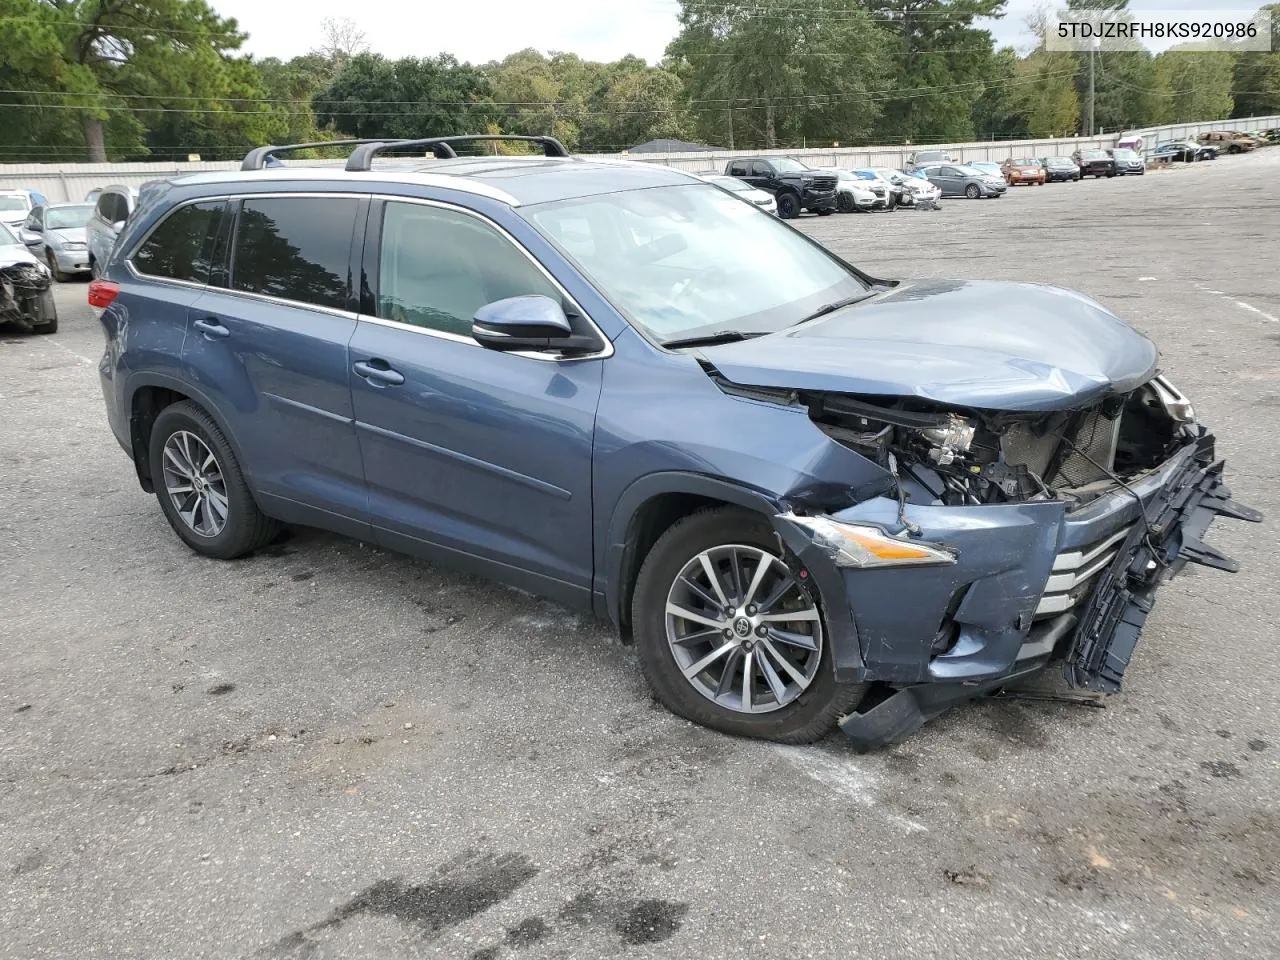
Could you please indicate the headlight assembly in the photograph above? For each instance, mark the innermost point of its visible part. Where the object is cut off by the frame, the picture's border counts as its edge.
(1171, 398)
(863, 545)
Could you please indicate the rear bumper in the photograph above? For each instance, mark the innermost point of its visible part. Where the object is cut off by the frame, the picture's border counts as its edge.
(1032, 584)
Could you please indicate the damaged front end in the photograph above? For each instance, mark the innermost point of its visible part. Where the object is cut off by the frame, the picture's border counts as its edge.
(1012, 540)
(25, 292)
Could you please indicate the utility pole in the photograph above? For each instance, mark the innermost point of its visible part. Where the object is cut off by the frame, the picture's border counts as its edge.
(1093, 46)
(729, 110)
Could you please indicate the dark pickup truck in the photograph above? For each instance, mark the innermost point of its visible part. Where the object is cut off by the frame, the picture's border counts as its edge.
(1094, 163)
(796, 186)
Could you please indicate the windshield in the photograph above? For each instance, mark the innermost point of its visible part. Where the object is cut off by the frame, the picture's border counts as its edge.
(732, 184)
(60, 218)
(1095, 155)
(687, 260)
(864, 175)
(1123, 154)
(1061, 162)
(787, 165)
(13, 203)
(1024, 162)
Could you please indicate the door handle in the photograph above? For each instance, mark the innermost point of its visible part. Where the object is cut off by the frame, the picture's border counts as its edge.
(210, 327)
(378, 373)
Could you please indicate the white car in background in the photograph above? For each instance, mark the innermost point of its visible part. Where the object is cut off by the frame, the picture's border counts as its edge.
(853, 193)
(743, 191)
(16, 205)
(912, 188)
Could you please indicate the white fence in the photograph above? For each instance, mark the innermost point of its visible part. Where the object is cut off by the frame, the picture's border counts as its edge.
(61, 182)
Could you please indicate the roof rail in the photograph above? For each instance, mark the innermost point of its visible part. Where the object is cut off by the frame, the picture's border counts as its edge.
(257, 158)
(361, 158)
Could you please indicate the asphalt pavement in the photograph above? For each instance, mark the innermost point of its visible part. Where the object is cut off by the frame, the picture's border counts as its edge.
(328, 750)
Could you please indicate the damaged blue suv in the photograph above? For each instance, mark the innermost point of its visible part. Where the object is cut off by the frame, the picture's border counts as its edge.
(811, 497)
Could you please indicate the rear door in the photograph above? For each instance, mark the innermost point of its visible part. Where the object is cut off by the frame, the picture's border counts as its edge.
(486, 454)
(268, 340)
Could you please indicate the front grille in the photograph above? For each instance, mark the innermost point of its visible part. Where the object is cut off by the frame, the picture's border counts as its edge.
(824, 183)
(1074, 571)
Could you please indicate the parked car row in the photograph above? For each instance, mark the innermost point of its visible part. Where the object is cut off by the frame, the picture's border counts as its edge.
(796, 187)
(71, 239)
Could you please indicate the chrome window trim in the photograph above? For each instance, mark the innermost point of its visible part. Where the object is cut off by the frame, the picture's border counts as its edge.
(605, 352)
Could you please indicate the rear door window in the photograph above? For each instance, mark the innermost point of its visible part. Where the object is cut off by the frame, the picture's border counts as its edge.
(295, 248)
(738, 169)
(180, 248)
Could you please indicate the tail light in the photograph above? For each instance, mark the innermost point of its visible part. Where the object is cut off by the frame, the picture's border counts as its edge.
(102, 293)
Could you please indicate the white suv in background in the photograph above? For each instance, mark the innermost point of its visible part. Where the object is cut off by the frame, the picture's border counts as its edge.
(112, 209)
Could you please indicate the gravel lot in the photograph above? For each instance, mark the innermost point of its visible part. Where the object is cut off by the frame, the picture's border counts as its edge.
(332, 751)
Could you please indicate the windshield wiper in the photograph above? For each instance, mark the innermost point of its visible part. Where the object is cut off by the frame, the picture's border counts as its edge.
(826, 308)
(711, 339)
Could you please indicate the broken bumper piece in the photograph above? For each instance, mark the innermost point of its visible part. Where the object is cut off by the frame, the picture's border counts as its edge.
(1032, 584)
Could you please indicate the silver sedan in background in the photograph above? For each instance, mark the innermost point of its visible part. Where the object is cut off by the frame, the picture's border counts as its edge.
(56, 234)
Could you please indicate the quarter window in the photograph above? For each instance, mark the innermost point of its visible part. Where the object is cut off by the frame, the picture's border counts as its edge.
(180, 247)
(295, 248)
(438, 267)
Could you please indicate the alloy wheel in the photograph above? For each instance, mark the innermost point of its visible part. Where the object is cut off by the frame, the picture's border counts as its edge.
(742, 629)
(195, 484)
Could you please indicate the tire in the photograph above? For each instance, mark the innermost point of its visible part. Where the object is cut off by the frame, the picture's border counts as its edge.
(807, 713)
(48, 313)
(845, 204)
(973, 191)
(788, 206)
(244, 528)
(826, 211)
(52, 261)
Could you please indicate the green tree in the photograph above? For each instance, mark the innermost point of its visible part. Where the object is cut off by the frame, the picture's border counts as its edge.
(1196, 84)
(943, 63)
(410, 98)
(1257, 75)
(772, 71)
(112, 65)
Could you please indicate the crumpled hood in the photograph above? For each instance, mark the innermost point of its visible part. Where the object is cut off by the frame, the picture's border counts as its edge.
(984, 344)
(11, 253)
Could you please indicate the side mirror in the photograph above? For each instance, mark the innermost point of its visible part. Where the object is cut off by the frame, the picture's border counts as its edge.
(30, 236)
(531, 322)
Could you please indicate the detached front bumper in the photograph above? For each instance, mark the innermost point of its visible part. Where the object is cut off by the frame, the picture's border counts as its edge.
(1032, 583)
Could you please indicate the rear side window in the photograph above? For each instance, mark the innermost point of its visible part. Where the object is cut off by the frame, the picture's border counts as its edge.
(181, 247)
(295, 248)
(738, 169)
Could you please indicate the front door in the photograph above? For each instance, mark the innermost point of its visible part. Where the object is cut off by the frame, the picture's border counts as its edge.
(484, 454)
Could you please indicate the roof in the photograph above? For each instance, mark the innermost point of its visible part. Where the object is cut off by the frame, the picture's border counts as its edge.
(672, 146)
(517, 181)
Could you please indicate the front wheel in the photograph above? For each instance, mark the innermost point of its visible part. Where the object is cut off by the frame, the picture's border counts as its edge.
(973, 191)
(788, 206)
(201, 488)
(52, 261)
(730, 635)
(844, 203)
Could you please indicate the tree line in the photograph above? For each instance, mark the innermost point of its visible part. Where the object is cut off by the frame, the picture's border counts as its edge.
(164, 79)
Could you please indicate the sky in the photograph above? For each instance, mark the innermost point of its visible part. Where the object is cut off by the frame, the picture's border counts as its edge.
(483, 30)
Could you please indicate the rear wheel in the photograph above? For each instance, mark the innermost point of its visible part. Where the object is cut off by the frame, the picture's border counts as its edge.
(844, 203)
(201, 488)
(729, 634)
(788, 206)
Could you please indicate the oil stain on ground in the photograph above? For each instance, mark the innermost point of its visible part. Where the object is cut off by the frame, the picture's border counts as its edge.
(458, 890)
(635, 921)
